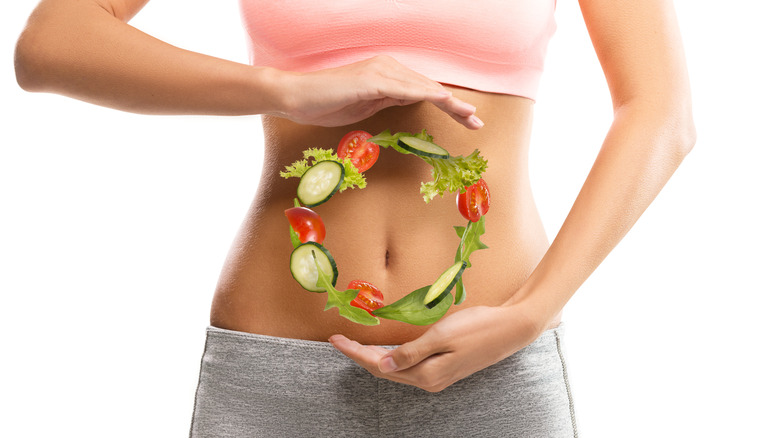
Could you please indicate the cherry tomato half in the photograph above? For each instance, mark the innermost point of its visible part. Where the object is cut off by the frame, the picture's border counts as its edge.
(475, 201)
(306, 223)
(369, 297)
(355, 147)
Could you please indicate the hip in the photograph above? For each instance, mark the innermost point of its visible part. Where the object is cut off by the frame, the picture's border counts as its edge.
(256, 385)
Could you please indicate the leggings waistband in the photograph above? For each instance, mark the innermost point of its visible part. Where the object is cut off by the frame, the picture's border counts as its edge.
(211, 331)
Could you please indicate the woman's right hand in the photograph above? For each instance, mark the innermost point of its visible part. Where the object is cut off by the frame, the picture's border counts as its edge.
(126, 69)
(345, 95)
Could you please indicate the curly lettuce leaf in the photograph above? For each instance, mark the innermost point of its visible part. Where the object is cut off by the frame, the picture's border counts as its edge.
(352, 177)
(341, 300)
(410, 309)
(453, 174)
(386, 139)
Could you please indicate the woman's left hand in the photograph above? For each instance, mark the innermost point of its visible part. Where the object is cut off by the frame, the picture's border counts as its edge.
(453, 348)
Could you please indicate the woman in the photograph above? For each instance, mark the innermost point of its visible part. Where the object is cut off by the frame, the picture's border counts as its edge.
(312, 91)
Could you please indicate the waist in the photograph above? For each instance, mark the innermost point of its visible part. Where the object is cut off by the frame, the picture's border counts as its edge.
(384, 234)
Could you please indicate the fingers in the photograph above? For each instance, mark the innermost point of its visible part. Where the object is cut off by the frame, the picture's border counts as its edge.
(457, 107)
(460, 111)
(344, 95)
(365, 356)
(410, 354)
(383, 360)
(377, 358)
(471, 122)
(423, 366)
(405, 86)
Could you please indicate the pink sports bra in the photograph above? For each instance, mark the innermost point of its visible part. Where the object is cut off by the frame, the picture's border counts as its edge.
(496, 46)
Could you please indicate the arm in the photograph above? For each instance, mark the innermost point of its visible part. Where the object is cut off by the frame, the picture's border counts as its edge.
(85, 49)
(639, 47)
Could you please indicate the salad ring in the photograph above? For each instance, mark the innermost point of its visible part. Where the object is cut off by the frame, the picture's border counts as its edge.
(323, 173)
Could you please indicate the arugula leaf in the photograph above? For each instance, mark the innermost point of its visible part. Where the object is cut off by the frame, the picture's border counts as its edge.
(410, 309)
(341, 300)
(352, 178)
(469, 240)
(296, 241)
(453, 174)
(460, 291)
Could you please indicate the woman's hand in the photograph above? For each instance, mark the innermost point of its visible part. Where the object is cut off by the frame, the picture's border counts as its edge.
(345, 95)
(453, 348)
(126, 69)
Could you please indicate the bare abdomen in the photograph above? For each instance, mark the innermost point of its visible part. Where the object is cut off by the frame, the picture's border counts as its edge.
(385, 233)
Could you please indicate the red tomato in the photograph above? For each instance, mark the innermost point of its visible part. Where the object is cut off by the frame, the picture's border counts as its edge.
(306, 223)
(475, 201)
(369, 298)
(355, 147)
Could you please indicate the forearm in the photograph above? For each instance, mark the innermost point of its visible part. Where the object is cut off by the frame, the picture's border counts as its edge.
(644, 146)
(639, 47)
(80, 49)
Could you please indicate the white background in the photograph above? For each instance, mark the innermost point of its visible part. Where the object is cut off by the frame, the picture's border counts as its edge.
(114, 227)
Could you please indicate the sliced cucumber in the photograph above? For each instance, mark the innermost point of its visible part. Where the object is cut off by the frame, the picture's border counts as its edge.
(422, 148)
(304, 270)
(320, 182)
(444, 284)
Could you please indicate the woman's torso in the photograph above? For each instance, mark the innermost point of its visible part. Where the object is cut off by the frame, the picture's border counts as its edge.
(385, 234)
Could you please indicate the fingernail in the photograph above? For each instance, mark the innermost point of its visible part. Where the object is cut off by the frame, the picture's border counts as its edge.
(387, 364)
(476, 121)
(445, 93)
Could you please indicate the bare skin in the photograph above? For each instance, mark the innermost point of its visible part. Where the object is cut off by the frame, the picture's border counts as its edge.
(386, 234)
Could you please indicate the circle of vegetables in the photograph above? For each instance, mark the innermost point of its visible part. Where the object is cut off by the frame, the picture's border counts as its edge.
(450, 174)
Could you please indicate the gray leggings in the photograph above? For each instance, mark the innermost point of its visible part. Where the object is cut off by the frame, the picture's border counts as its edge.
(261, 386)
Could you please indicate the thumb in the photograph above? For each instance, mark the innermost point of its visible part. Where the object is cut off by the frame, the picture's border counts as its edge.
(408, 355)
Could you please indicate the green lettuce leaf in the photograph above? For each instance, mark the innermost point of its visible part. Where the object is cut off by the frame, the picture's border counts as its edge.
(386, 139)
(312, 156)
(341, 300)
(453, 174)
(410, 309)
